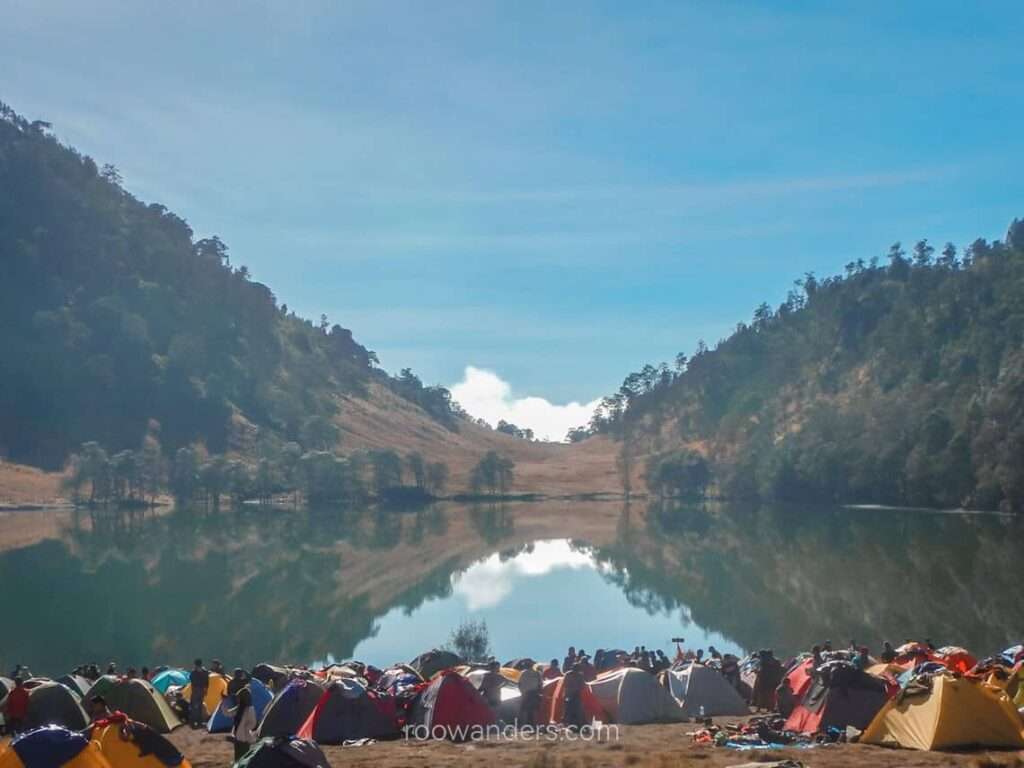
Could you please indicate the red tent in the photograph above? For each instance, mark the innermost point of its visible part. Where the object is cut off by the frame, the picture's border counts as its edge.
(836, 706)
(347, 711)
(451, 704)
(800, 678)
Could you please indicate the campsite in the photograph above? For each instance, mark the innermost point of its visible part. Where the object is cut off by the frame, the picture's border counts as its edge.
(921, 706)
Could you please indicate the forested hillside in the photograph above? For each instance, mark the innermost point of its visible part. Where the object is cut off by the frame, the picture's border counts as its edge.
(116, 323)
(900, 382)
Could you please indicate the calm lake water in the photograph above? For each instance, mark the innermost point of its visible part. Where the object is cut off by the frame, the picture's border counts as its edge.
(308, 586)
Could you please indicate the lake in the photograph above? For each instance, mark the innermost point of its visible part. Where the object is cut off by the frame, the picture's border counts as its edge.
(310, 586)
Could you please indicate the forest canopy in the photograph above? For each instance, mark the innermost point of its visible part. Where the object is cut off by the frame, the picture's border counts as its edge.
(113, 316)
(900, 381)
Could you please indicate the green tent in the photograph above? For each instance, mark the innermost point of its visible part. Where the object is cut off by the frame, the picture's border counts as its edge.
(137, 699)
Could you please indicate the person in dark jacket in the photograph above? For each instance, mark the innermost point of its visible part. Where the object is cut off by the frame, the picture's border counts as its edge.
(199, 679)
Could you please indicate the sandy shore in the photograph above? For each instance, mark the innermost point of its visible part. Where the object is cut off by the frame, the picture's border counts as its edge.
(651, 746)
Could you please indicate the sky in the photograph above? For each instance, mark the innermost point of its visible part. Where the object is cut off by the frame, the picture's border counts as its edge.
(549, 194)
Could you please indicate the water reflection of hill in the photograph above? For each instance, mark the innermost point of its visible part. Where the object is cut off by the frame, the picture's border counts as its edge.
(289, 585)
(787, 577)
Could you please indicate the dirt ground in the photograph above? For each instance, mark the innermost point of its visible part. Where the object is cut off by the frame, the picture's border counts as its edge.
(639, 746)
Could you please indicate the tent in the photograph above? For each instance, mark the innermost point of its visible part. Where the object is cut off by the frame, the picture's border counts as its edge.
(450, 704)
(136, 746)
(169, 678)
(272, 676)
(430, 663)
(54, 704)
(142, 702)
(283, 753)
(76, 683)
(220, 722)
(508, 708)
(216, 691)
(800, 677)
(838, 705)
(52, 747)
(348, 711)
(285, 715)
(632, 696)
(552, 708)
(696, 687)
(955, 712)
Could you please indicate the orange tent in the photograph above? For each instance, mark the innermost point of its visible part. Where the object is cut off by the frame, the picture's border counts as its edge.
(552, 707)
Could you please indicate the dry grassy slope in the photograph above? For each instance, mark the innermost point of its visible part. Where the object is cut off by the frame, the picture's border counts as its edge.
(27, 485)
(384, 420)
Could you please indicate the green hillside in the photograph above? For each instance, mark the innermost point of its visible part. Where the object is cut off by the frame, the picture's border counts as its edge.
(900, 382)
(116, 322)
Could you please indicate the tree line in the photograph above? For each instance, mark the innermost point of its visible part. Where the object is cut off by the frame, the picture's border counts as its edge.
(113, 314)
(898, 381)
(283, 471)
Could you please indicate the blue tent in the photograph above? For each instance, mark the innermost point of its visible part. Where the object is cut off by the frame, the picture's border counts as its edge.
(169, 678)
(221, 722)
(48, 747)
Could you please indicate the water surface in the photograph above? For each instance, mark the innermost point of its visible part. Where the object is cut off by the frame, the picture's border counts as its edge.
(305, 586)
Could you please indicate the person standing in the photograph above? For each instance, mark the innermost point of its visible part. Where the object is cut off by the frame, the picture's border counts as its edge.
(199, 679)
(551, 671)
(243, 729)
(491, 685)
(572, 691)
(16, 707)
(570, 659)
(529, 696)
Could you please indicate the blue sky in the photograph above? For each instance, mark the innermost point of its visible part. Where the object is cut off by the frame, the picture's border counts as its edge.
(556, 192)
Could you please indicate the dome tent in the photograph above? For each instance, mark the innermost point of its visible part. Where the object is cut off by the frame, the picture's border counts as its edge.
(283, 752)
(137, 699)
(54, 704)
(347, 711)
(287, 713)
(632, 696)
(136, 745)
(947, 712)
(452, 706)
(170, 678)
(430, 663)
(220, 722)
(701, 689)
(52, 747)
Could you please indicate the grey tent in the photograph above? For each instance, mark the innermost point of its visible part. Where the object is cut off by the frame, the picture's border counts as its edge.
(54, 704)
(697, 686)
(430, 663)
(76, 683)
(632, 696)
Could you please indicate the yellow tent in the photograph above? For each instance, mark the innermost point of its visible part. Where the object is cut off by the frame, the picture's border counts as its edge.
(88, 757)
(122, 752)
(218, 690)
(956, 713)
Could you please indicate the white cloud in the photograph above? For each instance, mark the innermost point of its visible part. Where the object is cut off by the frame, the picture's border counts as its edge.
(486, 583)
(487, 396)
